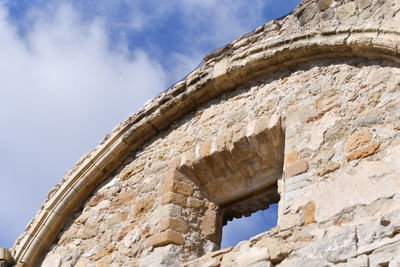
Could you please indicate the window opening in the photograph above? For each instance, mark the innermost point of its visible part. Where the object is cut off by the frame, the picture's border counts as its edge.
(246, 227)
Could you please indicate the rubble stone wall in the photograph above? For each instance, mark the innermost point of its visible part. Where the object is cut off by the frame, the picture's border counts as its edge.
(303, 111)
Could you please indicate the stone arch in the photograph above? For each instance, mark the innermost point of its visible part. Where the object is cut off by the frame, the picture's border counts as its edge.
(226, 73)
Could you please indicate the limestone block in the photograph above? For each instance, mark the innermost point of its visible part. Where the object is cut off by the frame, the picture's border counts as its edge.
(347, 10)
(143, 206)
(116, 219)
(245, 255)
(309, 213)
(103, 253)
(295, 186)
(221, 79)
(165, 238)
(89, 230)
(308, 14)
(395, 262)
(291, 157)
(379, 233)
(309, 262)
(363, 4)
(278, 249)
(385, 255)
(104, 262)
(335, 249)
(174, 174)
(99, 197)
(179, 188)
(162, 257)
(369, 117)
(292, 194)
(357, 140)
(288, 221)
(126, 230)
(296, 168)
(364, 152)
(194, 203)
(131, 169)
(328, 99)
(298, 179)
(328, 168)
(209, 225)
(324, 4)
(173, 224)
(124, 198)
(173, 198)
(162, 211)
(360, 261)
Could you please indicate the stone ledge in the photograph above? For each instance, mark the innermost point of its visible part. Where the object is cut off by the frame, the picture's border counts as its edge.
(165, 238)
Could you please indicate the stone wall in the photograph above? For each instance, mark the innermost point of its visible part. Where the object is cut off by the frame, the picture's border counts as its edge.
(341, 151)
(303, 111)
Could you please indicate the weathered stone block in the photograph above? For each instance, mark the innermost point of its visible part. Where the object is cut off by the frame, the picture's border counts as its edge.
(143, 206)
(296, 168)
(364, 152)
(173, 198)
(123, 198)
(357, 140)
(173, 224)
(347, 10)
(89, 230)
(328, 168)
(379, 233)
(194, 203)
(385, 255)
(246, 255)
(126, 230)
(335, 249)
(309, 213)
(209, 225)
(174, 174)
(324, 4)
(363, 4)
(180, 188)
(131, 169)
(291, 157)
(103, 253)
(165, 238)
(278, 249)
(97, 199)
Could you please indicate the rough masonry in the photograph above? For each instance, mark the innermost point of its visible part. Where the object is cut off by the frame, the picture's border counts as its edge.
(303, 112)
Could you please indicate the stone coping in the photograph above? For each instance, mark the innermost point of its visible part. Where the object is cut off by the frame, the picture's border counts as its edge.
(222, 72)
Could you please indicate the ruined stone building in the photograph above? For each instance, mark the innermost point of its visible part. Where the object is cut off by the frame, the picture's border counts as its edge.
(304, 112)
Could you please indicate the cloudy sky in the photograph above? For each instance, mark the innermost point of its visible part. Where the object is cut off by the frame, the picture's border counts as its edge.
(72, 70)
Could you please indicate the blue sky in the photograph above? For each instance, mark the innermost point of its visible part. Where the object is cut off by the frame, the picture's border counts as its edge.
(72, 70)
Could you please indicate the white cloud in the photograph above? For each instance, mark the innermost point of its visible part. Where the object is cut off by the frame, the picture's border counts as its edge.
(61, 90)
